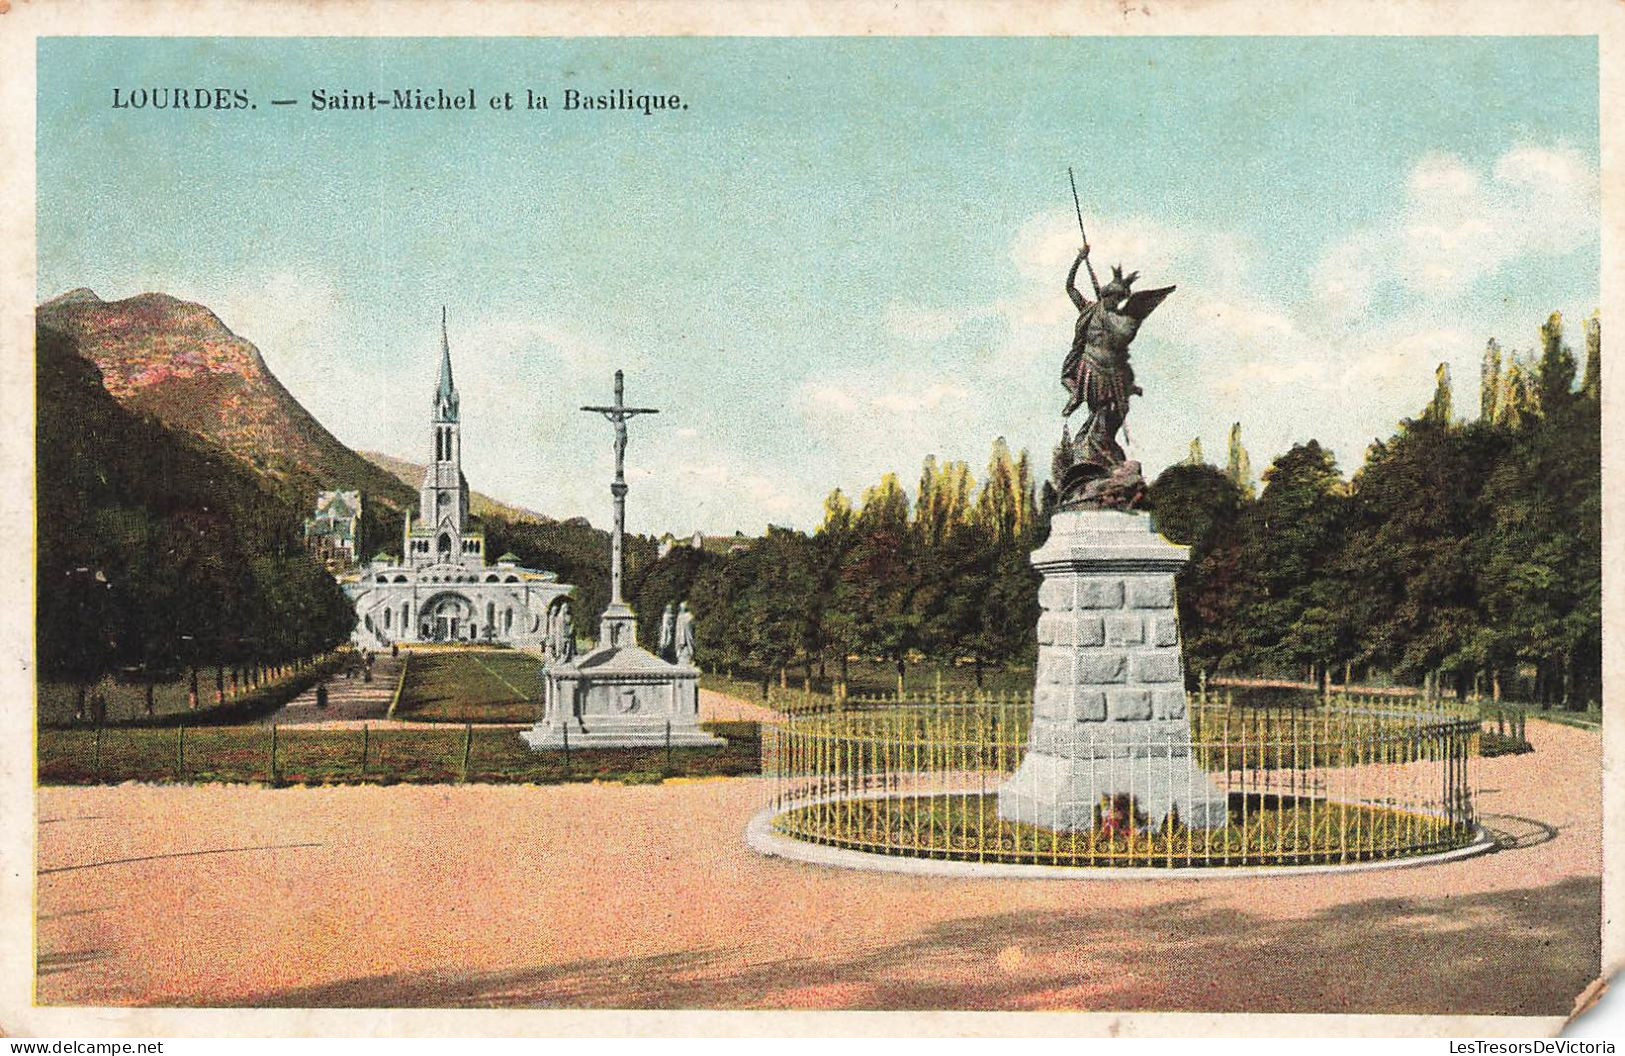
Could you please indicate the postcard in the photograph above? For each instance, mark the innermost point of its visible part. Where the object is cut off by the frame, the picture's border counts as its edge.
(557, 519)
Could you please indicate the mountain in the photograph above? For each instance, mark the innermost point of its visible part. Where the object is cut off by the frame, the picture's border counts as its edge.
(155, 547)
(480, 504)
(177, 362)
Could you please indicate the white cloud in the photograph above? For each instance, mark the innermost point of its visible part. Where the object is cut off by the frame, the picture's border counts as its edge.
(1251, 375)
(1403, 358)
(900, 399)
(1561, 170)
(721, 491)
(833, 399)
(889, 421)
(1443, 175)
(1339, 354)
(929, 400)
(1232, 345)
(1457, 226)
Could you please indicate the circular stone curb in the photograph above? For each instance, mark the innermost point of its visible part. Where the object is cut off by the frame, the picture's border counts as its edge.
(761, 838)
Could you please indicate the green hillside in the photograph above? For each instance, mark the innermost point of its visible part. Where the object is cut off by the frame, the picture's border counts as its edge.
(157, 549)
(176, 361)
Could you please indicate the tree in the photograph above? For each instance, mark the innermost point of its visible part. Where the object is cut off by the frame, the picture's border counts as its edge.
(721, 615)
(1238, 467)
(879, 579)
(1591, 387)
(1407, 562)
(1004, 506)
(1289, 541)
(1539, 543)
(942, 505)
(1489, 381)
(1554, 378)
(781, 605)
(157, 549)
(1518, 400)
(1441, 408)
(839, 627)
(1196, 505)
(948, 572)
(668, 580)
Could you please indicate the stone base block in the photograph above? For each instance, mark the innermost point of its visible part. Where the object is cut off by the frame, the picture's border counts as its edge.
(1062, 794)
(619, 735)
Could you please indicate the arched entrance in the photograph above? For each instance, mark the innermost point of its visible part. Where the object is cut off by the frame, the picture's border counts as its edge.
(445, 617)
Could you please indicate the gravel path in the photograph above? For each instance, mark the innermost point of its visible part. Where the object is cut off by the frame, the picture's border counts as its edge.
(646, 897)
(350, 699)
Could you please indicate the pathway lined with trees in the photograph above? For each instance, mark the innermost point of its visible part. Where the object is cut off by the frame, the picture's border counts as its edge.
(348, 697)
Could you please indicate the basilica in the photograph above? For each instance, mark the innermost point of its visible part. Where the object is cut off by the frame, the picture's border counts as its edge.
(443, 589)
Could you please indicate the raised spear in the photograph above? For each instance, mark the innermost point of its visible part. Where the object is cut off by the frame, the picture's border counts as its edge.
(1079, 208)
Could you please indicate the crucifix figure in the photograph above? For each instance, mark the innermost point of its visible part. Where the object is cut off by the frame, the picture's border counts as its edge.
(618, 627)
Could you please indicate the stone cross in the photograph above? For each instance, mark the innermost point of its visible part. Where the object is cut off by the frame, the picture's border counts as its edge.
(617, 414)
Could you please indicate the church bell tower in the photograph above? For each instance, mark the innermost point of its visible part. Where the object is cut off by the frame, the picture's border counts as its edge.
(443, 499)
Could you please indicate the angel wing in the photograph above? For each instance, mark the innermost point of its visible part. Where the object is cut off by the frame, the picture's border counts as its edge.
(1143, 302)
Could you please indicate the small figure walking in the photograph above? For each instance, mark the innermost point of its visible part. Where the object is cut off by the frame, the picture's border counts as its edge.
(321, 695)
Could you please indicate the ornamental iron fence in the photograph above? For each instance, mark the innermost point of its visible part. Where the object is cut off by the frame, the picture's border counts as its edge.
(1347, 780)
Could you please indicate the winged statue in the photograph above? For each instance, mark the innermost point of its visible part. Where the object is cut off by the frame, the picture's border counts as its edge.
(1097, 373)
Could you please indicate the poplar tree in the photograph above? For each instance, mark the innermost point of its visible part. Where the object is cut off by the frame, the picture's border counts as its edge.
(1441, 408)
(1555, 374)
(1591, 386)
(1489, 381)
(1517, 400)
(1238, 467)
(1001, 506)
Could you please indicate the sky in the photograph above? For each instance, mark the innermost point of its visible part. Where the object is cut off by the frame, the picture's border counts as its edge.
(845, 254)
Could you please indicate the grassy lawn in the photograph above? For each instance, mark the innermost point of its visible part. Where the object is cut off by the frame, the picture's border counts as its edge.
(354, 756)
(1263, 830)
(1590, 719)
(471, 685)
(126, 702)
(875, 678)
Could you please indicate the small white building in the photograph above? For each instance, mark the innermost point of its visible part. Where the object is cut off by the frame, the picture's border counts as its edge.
(442, 589)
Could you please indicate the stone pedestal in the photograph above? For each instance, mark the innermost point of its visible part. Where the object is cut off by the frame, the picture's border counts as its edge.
(618, 627)
(1109, 701)
(620, 697)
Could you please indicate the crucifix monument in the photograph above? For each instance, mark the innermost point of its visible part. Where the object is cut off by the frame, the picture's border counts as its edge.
(619, 625)
(619, 695)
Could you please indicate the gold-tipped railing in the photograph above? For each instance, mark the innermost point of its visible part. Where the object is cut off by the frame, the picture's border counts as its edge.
(1347, 780)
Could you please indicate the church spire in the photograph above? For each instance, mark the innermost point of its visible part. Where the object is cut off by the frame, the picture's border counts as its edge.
(446, 387)
(445, 395)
